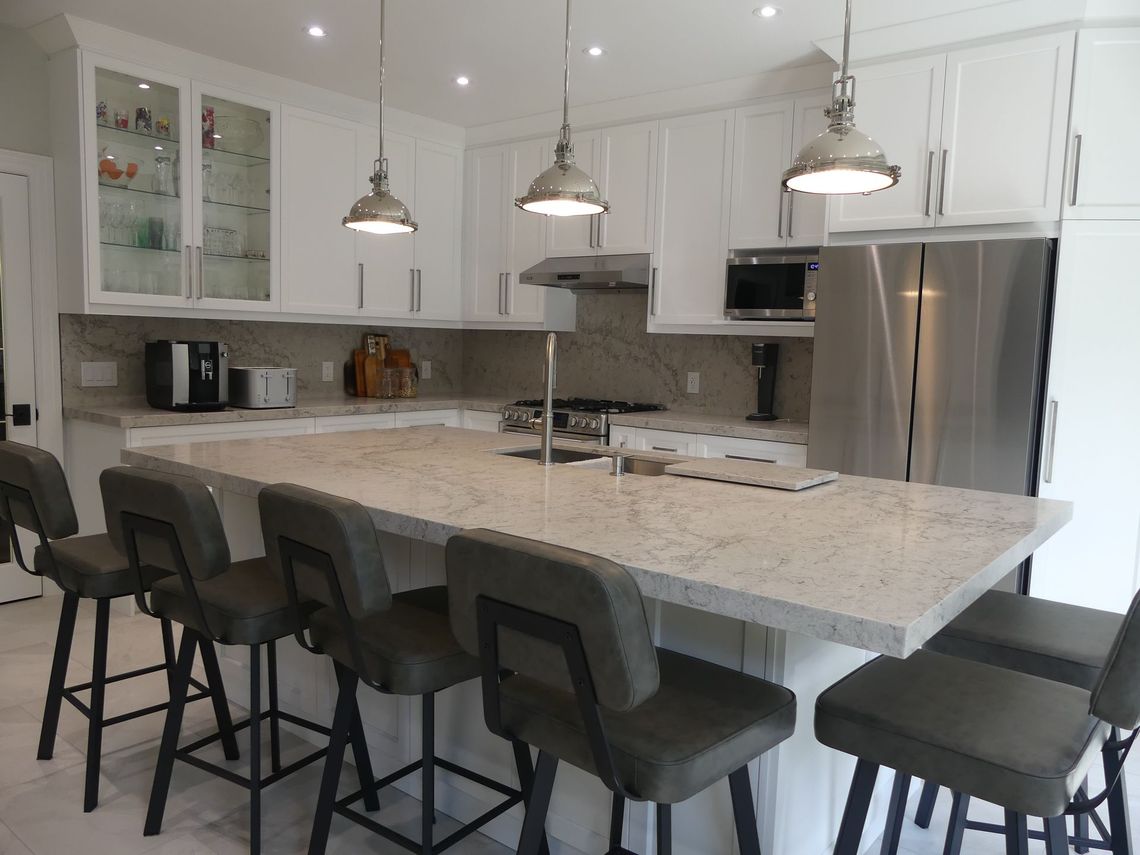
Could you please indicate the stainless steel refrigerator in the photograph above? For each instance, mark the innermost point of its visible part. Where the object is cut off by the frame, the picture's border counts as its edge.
(929, 362)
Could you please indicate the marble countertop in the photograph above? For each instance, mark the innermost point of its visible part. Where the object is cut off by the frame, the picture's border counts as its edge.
(138, 414)
(781, 430)
(878, 565)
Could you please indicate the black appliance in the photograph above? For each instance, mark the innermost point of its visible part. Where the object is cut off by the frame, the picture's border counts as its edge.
(764, 358)
(188, 376)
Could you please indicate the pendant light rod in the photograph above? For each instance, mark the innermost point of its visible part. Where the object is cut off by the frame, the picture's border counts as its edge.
(843, 72)
(380, 159)
(564, 136)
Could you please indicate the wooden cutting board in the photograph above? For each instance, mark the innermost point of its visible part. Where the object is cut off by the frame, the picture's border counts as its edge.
(752, 473)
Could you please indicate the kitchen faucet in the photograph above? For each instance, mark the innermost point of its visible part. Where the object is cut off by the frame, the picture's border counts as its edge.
(546, 420)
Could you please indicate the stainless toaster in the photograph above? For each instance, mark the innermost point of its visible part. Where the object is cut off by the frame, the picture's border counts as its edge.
(263, 388)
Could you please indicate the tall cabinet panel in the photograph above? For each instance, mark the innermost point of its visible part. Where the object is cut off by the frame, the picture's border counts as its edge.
(386, 263)
(807, 212)
(570, 236)
(485, 233)
(439, 192)
(760, 155)
(526, 245)
(628, 175)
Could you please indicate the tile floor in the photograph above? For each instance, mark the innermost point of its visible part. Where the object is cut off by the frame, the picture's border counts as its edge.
(41, 802)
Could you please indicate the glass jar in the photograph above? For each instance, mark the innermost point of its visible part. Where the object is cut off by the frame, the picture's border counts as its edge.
(408, 383)
(390, 383)
(164, 176)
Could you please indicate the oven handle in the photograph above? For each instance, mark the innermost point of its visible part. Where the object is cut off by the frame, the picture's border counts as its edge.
(574, 438)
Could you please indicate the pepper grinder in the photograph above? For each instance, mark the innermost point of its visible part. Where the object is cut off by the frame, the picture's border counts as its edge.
(764, 358)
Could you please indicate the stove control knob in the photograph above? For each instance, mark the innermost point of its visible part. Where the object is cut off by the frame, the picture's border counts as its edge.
(574, 421)
(595, 424)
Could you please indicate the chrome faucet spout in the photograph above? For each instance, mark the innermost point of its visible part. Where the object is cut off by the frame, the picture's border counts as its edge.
(550, 380)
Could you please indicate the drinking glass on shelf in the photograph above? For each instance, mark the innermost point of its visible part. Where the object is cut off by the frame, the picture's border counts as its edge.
(209, 188)
(240, 190)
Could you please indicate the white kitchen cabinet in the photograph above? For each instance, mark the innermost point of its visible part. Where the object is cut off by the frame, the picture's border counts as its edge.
(623, 437)
(1003, 132)
(1103, 180)
(321, 179)
(365, 421)
(1091, 456)
(526, 233)
(807, 212)
(694, 170)
(428, 418)
(485, 233)
(761, 153)
(439, 209)
(385, 263)
(174, 434)
(576, 236)
(759, 450)
(667, 440)
(479, 420)
(901, 104)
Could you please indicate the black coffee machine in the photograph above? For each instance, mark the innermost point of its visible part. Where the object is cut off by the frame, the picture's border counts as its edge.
(190, 376)
(764, 358)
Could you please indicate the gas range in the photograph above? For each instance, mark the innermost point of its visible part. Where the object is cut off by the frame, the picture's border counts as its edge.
(581, 419)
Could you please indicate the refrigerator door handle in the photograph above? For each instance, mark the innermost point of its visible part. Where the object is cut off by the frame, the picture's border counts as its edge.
(1050, 442)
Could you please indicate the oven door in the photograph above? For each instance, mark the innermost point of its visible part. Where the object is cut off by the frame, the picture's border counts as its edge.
(771, 288)
(561, 436)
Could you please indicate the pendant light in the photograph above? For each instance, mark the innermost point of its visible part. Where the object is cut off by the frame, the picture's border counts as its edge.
(380, 212)
(842, 160)
(564, 190)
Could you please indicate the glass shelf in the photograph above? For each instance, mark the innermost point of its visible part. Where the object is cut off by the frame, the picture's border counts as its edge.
(236, 257)
(130, 189)
(249, 209)
(233, 158)
(139, 248)
(126, 134)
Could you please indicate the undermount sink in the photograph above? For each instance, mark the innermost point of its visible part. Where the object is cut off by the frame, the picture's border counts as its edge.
(558, 455)
(644, 466)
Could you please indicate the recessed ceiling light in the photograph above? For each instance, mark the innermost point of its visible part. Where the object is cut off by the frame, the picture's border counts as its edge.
(217, 136)
(158, 148)
(767, 11)
(594, 51)
(144, 86)
(462, 81)
(316, 32)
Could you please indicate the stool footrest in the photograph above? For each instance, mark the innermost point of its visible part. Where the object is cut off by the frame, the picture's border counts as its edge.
(69, 694)
(1074, 840)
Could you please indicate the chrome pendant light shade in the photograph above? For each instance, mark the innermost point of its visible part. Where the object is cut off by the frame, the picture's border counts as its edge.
(564, 190)
(380, 212)
(842, 160)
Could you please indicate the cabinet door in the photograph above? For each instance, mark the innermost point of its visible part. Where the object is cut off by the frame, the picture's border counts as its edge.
(1091, 456)
(807, 212)
(366, 421)
(760, 155)
(666, 440)
(320, 182)
(1003, 132)
(439, 190)
(386, 263)
(1103, 182)
(628, 175)
(694, 165)
(485, 233)
(526, 244)
(623, 437)
(428, 418)
(900, 105)
(569, 236)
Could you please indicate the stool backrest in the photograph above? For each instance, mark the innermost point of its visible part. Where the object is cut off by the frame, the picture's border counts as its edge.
(34, 493)
(1116, 697)
(593, 595)
(335, 536)
(172, 519)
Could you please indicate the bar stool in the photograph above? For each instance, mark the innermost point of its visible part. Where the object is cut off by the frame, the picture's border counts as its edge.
(585, 684)
(327, 550)
(171, 522)
(1017, 740)
(34, 496)
(1061, 642)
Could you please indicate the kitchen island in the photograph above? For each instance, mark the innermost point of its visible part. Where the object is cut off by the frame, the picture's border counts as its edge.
(796, 587)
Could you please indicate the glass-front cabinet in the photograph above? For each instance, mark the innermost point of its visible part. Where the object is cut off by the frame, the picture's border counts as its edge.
(182, 191)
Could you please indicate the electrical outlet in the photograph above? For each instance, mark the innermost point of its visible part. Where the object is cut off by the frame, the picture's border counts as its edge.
(328, 371)
(425, 369)
(694, 385)
(98, 374)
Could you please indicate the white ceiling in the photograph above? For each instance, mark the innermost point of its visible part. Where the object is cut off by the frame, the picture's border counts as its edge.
(511, 49)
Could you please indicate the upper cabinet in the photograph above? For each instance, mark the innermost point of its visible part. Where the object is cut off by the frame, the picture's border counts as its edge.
(1103, 181)
(1000, 136)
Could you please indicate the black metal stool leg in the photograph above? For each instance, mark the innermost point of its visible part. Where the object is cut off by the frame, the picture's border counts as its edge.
(255, 749)
(168, 653)
(427, 773)
(274, 722)
(855, 812)
(895, 814)
(95, 713)
(218, 697)
(334, 760)
(363, 760)
(926, 804)
(534, 825)
(664, 829)
(1056, 836)
(1016, 833)
(526, 785)
(1118, 820)
(63, 636)
(164, 768)
(1081, 824)
(959, 810)
(743, 812)
(617, 821)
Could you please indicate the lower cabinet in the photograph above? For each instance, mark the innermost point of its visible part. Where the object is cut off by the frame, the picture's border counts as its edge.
(707, 445)
(669, 441)
(369, 421)
(428, 418)
(478, 420)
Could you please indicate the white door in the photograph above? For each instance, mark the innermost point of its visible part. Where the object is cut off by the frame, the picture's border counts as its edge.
(1103, 181)
(900, 105)
(628, 175)
(807, 212)
(387, 278)
(1003, 132)
(439, 191)
(486, 233)
(694, 166)
(526, 244)
(760, 155)
(17, 360)
(569, 236)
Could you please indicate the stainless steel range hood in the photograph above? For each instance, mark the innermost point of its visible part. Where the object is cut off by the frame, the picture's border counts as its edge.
(592, 274)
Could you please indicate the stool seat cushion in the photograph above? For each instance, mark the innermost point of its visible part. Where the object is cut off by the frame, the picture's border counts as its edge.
(91, 567)
(1013, 739)
(1056, 641)
(408, 649)
(246, 604)
(704, 722)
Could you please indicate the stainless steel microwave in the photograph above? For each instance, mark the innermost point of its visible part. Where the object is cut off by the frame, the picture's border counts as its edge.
(770, 286)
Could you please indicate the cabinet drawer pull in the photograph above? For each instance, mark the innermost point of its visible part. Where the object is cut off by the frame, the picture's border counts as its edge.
(360, 285)
(663, 448)
(1078, 142)
(1050, 443)
(929, 180)
(744, 457)
(942, 183)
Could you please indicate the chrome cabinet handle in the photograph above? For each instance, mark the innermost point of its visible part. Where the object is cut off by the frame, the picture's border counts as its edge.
(189, 267)
(591, 231)
(412, 284)
(419, 290)
(743, 457)
(501, 275)
(1078, 144)
(653, 293)
(791, 212)
(199, 273)
(601, 243)
(508, 300)
(360, 285)
(929, 180)
(1050, 443)
(780, 214)
(663, 448)
(942, 183)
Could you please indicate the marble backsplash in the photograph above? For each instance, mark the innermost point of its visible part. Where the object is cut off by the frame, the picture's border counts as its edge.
(610, 356)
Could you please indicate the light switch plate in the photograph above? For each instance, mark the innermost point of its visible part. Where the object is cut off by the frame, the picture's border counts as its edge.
(98, 374)
(328, 370)
(425, 369)
(694, 384)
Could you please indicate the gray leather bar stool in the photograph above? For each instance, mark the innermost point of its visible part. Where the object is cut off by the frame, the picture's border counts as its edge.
(327, 550)
(171, 522)
(34, 496)
(1057, 641)
(569, 667)
(1018, 740)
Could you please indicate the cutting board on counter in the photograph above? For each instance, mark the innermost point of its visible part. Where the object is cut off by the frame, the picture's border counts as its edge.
(752, 473)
